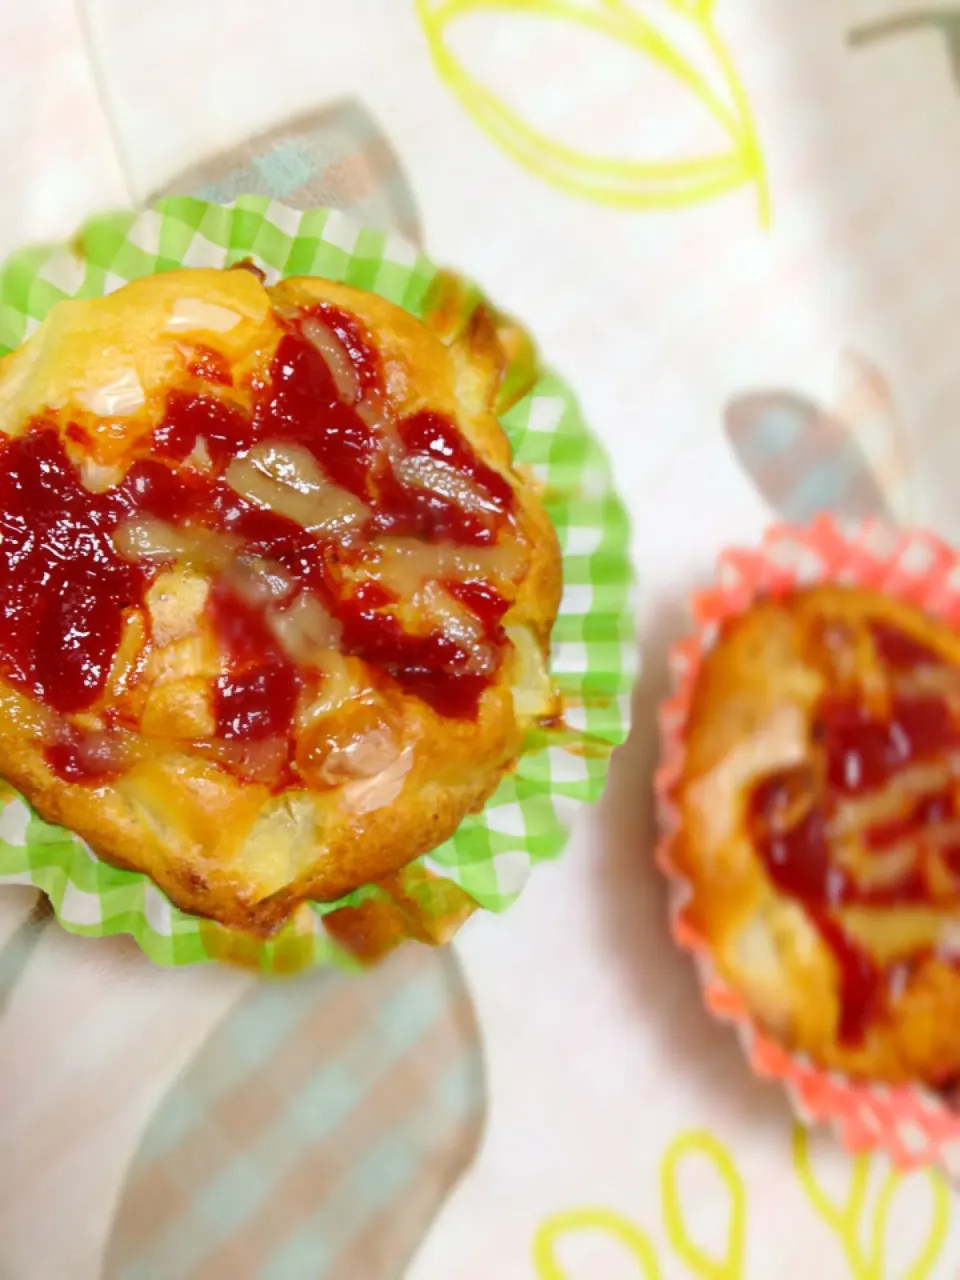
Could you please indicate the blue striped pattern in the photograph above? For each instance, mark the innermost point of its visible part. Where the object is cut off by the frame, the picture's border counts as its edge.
(197, 1148)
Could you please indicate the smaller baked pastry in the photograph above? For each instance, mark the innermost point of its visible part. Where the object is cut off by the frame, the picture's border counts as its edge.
(819, 828)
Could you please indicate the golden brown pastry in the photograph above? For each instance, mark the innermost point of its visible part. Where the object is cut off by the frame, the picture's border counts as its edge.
(274, 605)
(819, 809)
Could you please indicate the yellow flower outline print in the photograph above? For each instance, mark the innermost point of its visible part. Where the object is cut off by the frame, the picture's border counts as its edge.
(848, 1220)
(635, 1241)
(695, 1144)
(845, 1219)
(706, 1146)
(619, 183)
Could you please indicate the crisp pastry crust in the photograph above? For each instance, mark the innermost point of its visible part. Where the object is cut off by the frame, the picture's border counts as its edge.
(275, 605)
(819, 828)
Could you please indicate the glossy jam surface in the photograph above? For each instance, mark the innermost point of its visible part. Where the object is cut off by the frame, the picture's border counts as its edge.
(190, 418)
(481, 599)
(256, 696)
(63, 588)
(866, 751)
(433, 667)
(65, 591)
(210, 366)
(900, 650)
(861, 752)
(928, 811)
(84, 758)
(363, 354)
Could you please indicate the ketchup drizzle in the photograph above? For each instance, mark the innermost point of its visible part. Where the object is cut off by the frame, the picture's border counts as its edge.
(863, 752)
(255, 698)
(64, 589)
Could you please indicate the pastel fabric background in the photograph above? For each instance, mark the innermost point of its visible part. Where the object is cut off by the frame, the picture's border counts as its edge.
(766, 259)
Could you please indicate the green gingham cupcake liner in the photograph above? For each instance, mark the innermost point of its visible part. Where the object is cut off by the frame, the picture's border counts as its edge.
(527, 820)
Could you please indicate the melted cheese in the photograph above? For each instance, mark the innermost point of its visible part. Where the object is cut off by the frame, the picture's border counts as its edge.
(121, 396)
(287, 480)
(190, 314)
(336, 357)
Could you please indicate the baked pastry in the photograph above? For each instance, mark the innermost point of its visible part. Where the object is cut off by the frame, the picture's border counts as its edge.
(274, 605)
(819, 828)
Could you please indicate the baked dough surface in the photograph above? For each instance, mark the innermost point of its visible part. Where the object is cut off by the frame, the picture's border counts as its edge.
(819, 828)
(276, 606)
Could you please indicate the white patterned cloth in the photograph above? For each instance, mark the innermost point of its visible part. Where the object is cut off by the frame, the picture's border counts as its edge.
(601, 1061)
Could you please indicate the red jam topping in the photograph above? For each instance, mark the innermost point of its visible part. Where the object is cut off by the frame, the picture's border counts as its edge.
(191, 418)
(864, 985)
(257, 695)
(77, 757)
(799, 862)
(483, 600)
(863, 753)
(928, 811)
(210, 366)
(64, 588)
(364, 356)
(899, 650)
(303, 407)
(431, 666)
(421, 512)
